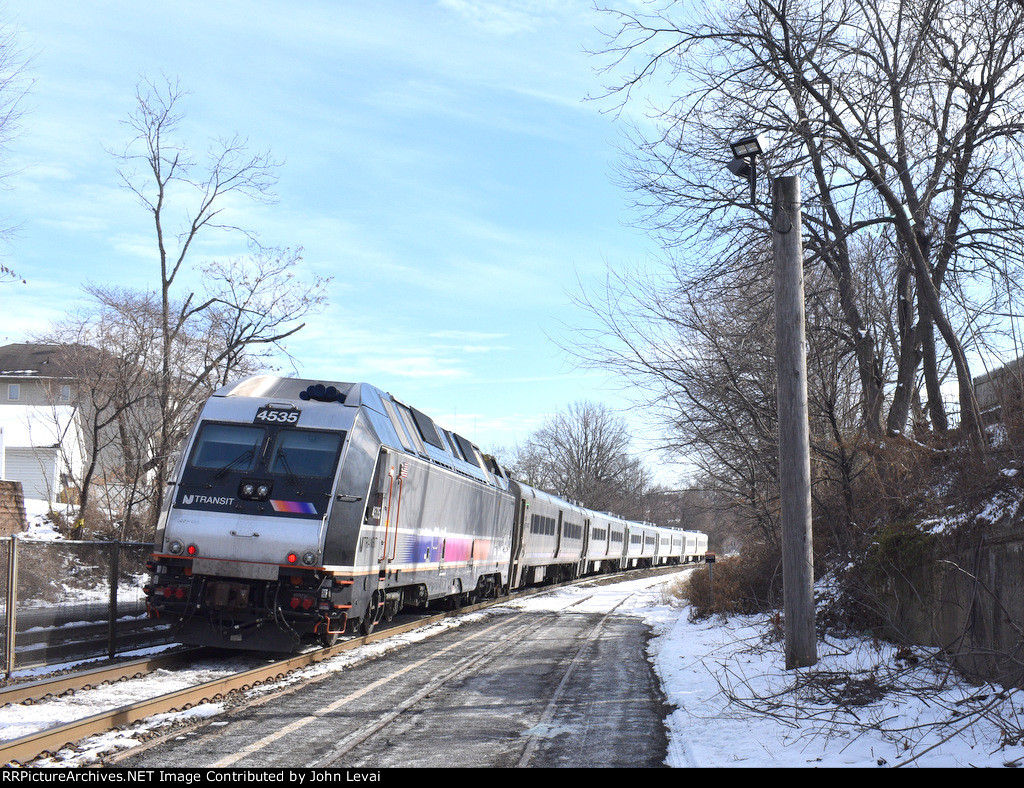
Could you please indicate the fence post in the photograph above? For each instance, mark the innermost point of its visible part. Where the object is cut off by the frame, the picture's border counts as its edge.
(115, 551)
(12, 603)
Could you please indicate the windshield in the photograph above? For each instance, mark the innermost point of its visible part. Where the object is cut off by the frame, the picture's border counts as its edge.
(304, 453)
(293, 453)
(226, 447)
(268, 469)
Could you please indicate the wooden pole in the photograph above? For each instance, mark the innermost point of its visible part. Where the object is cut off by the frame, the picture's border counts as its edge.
(794, 438)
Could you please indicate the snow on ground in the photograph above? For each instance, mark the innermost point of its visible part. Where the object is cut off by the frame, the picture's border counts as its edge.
(39, 524)
(735, 704)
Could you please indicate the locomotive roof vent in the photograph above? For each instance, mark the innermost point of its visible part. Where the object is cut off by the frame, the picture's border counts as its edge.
(322, 393)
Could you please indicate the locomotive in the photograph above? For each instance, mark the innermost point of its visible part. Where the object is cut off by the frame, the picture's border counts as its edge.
(302, 509)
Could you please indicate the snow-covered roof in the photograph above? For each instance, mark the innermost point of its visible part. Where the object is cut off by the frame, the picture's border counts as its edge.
(31, 360)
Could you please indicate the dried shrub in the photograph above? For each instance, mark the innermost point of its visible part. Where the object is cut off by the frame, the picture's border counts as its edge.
(894, 480)
(916, 503)
(743, 584)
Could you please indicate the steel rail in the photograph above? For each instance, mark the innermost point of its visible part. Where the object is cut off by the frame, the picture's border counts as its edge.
(55, 686)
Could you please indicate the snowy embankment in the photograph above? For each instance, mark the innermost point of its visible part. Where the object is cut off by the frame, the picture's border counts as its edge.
(39, 524)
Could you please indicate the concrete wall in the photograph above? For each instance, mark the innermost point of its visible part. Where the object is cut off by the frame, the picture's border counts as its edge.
(12, 508)
(969, 600)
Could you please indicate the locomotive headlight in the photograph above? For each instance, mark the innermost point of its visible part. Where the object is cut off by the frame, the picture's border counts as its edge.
(309, 558)
(175, 547)
(255, 490)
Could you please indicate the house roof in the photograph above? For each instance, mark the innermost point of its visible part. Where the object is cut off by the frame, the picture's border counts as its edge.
(31, 360)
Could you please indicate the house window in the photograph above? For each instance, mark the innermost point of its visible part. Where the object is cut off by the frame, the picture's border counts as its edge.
(13, 391)
(65, 394)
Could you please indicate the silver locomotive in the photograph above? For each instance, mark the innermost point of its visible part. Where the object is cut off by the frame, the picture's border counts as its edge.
(307, 509)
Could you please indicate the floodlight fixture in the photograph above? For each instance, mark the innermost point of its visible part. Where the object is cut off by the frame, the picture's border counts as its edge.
(744, 164)
(749, 147)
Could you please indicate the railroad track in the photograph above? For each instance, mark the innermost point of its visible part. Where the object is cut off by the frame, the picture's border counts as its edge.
(61, 684)
(26, 749)
(47, 742)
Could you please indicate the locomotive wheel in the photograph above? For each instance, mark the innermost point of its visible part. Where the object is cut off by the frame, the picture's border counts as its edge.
(372, 615)
(326, 638)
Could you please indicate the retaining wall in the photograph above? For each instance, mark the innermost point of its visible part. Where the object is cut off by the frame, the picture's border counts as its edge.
(12, 508)
(969, 600)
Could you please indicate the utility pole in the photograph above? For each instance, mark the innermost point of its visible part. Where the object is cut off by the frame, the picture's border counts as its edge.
(794, 438)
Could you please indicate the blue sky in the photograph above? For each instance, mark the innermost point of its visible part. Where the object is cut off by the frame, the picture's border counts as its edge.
(441, 163)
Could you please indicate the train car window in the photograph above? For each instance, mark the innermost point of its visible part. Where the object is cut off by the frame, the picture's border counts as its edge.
(427, 429)
(398, 425)
(467, 448)
(543, 525)
(228, 447)
(411, 429)
(305, 453)
(455, 449)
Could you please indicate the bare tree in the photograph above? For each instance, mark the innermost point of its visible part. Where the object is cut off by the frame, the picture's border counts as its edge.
(247, 304)
(583, 453)
(905, 118)
(704, 359)
(14, 86)
(107, 352)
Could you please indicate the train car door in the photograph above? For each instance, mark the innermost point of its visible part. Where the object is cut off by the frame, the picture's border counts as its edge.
(581, 568)
(380, 508)
(518, 535)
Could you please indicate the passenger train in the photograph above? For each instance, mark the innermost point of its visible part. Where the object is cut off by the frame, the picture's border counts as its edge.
(300, 510)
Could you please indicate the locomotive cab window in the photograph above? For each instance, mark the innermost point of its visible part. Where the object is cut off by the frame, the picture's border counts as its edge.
(227, 447)
(305, 453)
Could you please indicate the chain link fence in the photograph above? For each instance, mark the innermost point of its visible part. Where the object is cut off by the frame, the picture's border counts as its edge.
(67, 600)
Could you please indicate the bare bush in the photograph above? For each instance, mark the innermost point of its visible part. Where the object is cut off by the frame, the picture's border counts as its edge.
(743, 584)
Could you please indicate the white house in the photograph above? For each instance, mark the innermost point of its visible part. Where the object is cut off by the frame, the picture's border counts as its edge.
(42, 447)
(41, 443)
